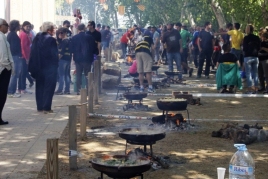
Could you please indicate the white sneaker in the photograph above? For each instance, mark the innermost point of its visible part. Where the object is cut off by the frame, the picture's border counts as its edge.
(14, 95)
(26, 92)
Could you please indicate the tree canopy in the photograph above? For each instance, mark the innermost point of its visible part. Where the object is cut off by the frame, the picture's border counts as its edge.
(191, 12)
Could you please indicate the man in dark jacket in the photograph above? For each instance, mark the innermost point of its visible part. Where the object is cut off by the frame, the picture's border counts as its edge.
(83, 48)
(43, 66)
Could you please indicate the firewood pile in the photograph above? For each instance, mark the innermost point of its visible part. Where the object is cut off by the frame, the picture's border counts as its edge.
(111, 75)
(242, 134)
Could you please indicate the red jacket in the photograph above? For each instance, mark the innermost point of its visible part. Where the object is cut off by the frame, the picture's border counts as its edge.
(26, 42)
(124, 38)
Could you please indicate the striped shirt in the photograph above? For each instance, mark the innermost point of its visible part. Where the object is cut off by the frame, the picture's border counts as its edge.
(144, 45)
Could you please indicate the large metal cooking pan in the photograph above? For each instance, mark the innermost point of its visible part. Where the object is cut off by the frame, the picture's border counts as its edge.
(121, 171)
(134, 95)
(140, 138)
(172, 105)
(172, 73)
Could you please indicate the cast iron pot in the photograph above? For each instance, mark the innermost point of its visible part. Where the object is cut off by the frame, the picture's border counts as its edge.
(134, 95)
(171, 105)
(141, 138)
(122, 171)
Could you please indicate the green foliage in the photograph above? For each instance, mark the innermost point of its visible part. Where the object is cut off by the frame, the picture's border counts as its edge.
(163, 11)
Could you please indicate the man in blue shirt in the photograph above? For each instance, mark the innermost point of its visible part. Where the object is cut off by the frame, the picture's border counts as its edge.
(195, 46)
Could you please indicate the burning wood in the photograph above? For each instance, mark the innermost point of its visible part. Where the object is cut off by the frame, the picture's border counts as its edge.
(155, 159)
(241, 134)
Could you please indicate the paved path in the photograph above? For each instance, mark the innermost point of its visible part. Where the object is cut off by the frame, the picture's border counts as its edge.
(23, 140)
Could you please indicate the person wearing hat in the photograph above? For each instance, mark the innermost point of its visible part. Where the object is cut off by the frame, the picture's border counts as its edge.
(185, 38)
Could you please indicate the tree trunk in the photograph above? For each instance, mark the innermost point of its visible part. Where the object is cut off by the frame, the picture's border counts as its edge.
(190, 18)
(264, 11)
(116, 19)
(218, 13)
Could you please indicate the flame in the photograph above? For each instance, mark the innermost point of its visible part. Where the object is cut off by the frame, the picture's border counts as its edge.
(177, 122)
(106, 157)
(127, 152)
(129, 59)
(172, 114)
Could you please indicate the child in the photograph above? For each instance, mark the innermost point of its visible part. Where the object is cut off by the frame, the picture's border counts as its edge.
(227, 58)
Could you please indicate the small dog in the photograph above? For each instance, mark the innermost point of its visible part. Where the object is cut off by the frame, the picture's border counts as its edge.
(115, 56)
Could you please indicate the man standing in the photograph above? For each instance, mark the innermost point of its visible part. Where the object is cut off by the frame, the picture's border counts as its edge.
(205, 46)
(105, 40)
(145, 62)
(67, 25)
(185, 38)
(195, 49)
(156, 47)
(83, 47)
(172, 39)
(226, 37)
(6, 66)
(95, 34)
(43, 66)
(236, 39)
(98, 27)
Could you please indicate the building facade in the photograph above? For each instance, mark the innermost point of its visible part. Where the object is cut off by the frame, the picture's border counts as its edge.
(34, 11)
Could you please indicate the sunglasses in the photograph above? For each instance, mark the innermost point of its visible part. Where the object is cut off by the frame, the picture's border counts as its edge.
(61, 32)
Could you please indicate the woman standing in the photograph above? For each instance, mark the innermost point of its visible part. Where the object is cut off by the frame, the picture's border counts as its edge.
(43, 66)
(64, 62)
(26, 42)
(15, 48)
(251, 46)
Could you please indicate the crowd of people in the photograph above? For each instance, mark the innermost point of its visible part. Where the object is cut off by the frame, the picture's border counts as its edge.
(175, 43)
(44, 58)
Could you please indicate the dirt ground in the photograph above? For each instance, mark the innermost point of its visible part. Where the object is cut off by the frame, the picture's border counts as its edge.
(193, 153)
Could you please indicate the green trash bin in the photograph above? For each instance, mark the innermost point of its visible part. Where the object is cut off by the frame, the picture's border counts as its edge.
(83, 82)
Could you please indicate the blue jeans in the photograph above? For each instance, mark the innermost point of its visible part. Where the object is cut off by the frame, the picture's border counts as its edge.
(14, 78)
(124, 49)
(177, 58)
(22, 78)
(156, 54)
(64, 76)
(104, 45)
(251, 66)
(236, 52)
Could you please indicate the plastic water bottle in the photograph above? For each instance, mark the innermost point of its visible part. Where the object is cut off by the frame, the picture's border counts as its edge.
(242, 165)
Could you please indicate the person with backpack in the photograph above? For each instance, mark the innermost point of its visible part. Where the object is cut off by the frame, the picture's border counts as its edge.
(251, 47)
